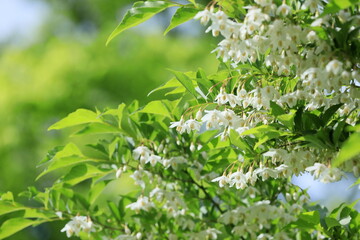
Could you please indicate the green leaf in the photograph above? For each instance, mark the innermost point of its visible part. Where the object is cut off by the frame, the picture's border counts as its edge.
(326, 116)
(80, 116)
(355, 183)
(114, 209)
(96, 128)
(82, 172)
(349, 149)
(156, 107)
(69, 150)
(8, 196)
(39, 213)
(345, 212)
(276, 110)
(331, 222)
(96, 189)
(182, 14)
(298, 123)
(236, 140)
(126, 122)
(339, 128)
(7, 207)
(66, 162)
(268, 136)
(185, 81)
(321, 32)
(15, 225)
(50, 155)
(334, 6)
(287, 120)
(171, 84)
(313, 140)
(192, 1)
(311, 217)
(140, 12)
(259, 131)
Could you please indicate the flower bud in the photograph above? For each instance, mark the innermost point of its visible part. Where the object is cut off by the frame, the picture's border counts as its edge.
(119, 172)
(198, 115)
(192, 147)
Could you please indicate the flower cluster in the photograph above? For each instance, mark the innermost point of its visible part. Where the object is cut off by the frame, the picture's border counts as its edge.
(283, 164)
(145, 156)
(254, 220)
(291, 50)
(325, 174)
(142, 203)
(78, 224)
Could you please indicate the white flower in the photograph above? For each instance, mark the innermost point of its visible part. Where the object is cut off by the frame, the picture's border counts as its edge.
(264, 236)
(223, 180)
(334, 66)
(158, 194)
(78, 224)
(142, 203)
(213, 118)
(137, 176)
(141, 153)
(264, 3)
(283, 10)
(192, 125)
(312, 37)
(251, 177)
(59, 214)
(285, 170)
(289, 99)
(153, 159)
(266, 172)
(180, 125)
(313, 5)
(317, 169)
(192, 147)
(222, 97)
(204, 16)
(331, 175)
(230, 118)
(212, 233)
(238, 179)
(198, 115)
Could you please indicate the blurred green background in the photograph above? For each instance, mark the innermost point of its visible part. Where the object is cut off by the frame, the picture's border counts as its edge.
(63, 64)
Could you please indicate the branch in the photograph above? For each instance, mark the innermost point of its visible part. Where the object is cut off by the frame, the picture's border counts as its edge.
(208, 196)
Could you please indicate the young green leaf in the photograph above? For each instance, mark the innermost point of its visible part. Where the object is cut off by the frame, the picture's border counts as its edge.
(331, 222)
(259, 130)
(6, 207)
(114, 210)
(182, 14)
(329, 113)
(169, 85)
(311, 217)
(349, 150)
(334, 6)
(96, 128)
(276, 110)
(65, 162)
(80, 116)
(82, 172)
(15, 225)
(186, 81)
(156, 107)
(140, 12)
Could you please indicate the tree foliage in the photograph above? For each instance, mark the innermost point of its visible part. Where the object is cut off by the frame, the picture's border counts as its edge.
(212, 157)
